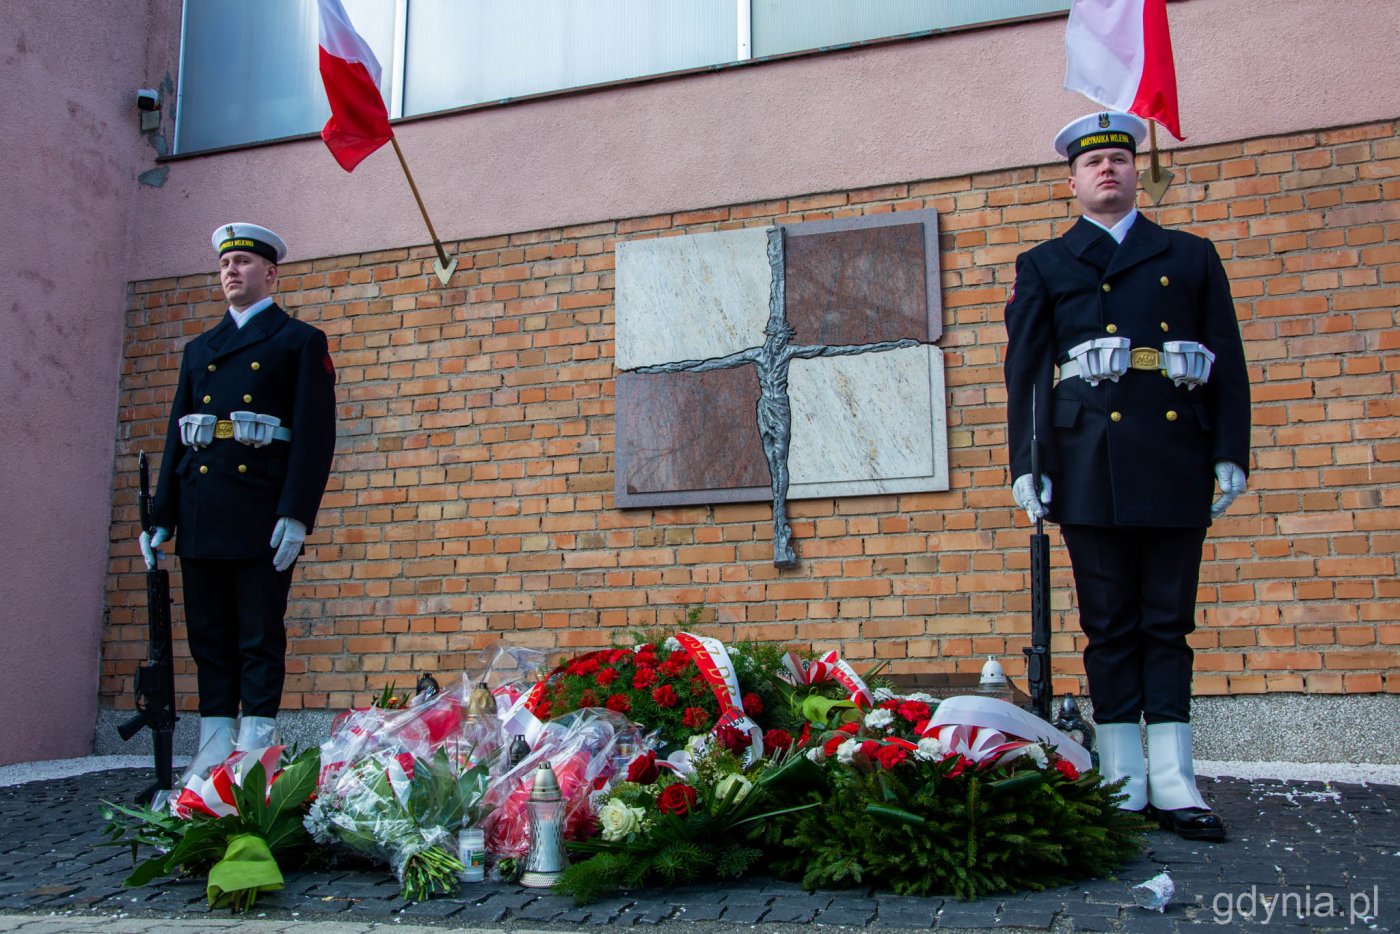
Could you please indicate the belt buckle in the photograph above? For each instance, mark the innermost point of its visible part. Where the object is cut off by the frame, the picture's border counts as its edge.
(1145, 358)
(223, 429)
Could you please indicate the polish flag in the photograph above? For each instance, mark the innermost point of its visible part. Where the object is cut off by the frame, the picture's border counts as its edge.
(359, 122)
(1119, 54)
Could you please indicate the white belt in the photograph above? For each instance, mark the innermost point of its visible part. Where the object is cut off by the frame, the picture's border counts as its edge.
(1186, 363)
(248, 428)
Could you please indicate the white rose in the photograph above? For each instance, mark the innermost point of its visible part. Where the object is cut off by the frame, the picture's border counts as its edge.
(727, 786)
(879, 718)
(846, 752)
(618, 820)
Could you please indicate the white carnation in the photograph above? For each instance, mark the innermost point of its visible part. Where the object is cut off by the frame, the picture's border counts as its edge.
(815, 754)
(846, 752)
(671, 644)
(879, 718)
(1037, 755)
(931, 749)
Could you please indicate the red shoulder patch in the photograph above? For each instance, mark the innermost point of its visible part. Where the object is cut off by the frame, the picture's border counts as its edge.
(330, 367)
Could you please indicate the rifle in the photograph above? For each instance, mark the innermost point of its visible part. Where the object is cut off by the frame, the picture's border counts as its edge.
(155, 680)
(1038, 652)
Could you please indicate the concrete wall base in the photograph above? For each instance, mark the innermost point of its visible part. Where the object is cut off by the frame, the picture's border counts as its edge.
(1358, 728)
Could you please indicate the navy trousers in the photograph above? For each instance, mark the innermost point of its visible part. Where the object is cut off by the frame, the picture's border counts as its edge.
(1137, 604)
(233, 614)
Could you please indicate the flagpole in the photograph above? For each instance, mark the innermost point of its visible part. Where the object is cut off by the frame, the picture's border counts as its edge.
(1159, 179)
(444, 267)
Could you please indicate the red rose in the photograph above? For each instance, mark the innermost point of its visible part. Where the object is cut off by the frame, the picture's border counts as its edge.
(735, 740)
(695, 718)
(890, 756)
(607, 676)
(542, 710)
(645, 677)
(620, 703)
(665, 696)
(869, 747)
(676, 799)
(1067, 769)
(643, 769)
(753, 704)
(405, 760)
(777, 739)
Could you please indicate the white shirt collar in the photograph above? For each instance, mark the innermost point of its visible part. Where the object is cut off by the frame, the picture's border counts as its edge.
(241, 318)
(1119, 230)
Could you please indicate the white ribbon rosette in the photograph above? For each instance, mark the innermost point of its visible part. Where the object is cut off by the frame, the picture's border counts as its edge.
(828, 668)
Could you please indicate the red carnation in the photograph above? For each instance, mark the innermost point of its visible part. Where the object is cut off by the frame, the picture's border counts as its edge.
(869, 747)
(830, 746)
(588, 698)
(890, 756)
(645, 677)
(849, 728)
(665, 696)
(777, 739)
(1067, 769)
(643, 769)
(695, 717)
(676, 799)
(890, 704)
(619, 702)
(806, 734)
(405, 760)
(585, 665)
(607, 676)
(914, 711)
(542, 710)
(753, 704)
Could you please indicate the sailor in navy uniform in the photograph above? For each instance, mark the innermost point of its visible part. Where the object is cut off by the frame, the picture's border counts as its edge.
(247, 456)
(1149, 411)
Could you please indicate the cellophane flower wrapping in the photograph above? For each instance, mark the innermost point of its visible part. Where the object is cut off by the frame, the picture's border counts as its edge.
(587, 749)
(398, 785)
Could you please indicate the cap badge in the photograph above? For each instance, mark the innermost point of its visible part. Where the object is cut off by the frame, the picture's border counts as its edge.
(229, 228)
(1103, 122)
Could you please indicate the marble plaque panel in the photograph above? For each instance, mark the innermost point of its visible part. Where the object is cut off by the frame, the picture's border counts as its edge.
(869, 423)
(689, 438)
(857, 286)
(696, 297)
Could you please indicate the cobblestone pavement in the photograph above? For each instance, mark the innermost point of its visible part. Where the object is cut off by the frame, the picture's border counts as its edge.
(1302, 856)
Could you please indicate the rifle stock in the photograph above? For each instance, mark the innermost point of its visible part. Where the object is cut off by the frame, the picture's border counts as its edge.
(155, 680)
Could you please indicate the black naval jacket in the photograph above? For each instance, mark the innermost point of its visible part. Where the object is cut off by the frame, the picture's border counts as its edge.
(223, 500)
(1139, 452)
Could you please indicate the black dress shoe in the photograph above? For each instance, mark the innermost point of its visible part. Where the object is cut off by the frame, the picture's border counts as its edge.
(1192, 823)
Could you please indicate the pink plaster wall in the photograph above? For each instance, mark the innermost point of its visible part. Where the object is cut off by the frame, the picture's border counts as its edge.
(70, 153)
(949, 105)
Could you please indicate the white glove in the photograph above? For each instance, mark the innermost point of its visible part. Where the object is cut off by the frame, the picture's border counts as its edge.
(287, 538)
(1024, 492)
(1232, 484)
(149, 544)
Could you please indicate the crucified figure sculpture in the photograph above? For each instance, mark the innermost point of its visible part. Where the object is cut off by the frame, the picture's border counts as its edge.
(772, 359)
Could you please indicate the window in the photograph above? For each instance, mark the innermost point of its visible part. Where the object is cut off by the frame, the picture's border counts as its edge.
(249, 70)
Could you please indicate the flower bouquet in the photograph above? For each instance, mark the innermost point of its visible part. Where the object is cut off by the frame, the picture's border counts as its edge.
(238, 823)
(922, 804)
(584, 748)
(406, 811)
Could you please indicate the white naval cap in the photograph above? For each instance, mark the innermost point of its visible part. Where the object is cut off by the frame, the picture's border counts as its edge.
(1107, 129)
(251, 239)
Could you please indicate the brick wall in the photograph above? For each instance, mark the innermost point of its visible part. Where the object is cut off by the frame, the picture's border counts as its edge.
(471, 494)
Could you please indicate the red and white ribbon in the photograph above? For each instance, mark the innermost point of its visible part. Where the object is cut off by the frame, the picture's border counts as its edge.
(712, 658)
(827, 668)
(213, 796)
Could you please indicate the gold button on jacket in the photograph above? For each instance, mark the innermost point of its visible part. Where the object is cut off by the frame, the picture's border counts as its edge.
(1171, 415)
(208, 399)
(203, 468)
(1112, 329)
(1116, 416)
(1107, 287)
(247, 397)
